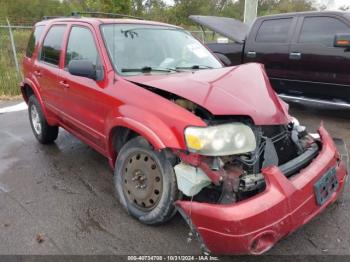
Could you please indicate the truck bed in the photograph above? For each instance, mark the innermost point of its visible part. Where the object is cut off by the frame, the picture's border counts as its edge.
(233, 51)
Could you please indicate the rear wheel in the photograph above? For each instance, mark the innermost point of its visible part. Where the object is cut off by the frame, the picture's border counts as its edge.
(145, 182)
(43, 132)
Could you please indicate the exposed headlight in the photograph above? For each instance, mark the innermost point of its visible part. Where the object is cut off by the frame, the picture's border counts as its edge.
(220, 140)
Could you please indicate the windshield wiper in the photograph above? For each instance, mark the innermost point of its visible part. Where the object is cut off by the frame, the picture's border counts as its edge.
(196, 67)
(146, 69)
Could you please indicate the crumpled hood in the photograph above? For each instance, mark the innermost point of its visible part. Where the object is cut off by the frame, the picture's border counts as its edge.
(242, 90)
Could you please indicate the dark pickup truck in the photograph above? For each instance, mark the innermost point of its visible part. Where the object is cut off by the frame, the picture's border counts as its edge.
(306, 54)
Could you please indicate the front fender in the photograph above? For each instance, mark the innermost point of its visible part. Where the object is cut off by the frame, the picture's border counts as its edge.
(161, 133)
(137, 127)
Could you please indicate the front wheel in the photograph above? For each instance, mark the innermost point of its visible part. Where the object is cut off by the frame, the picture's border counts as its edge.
(145, 182)
(43, 132)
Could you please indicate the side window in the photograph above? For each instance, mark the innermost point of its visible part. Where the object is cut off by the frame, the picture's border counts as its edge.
(321, 30)
(52, 46)
(81, 46)
(33, 40)
(274, 31)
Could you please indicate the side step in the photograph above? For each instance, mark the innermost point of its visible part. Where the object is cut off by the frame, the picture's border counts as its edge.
(315, 102)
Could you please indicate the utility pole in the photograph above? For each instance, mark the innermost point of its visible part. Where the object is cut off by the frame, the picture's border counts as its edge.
(250, 10)
(13, 48)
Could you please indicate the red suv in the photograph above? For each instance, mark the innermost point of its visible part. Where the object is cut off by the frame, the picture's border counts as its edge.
(181, 132)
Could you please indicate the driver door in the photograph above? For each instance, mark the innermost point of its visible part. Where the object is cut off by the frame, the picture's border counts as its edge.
(84, 100)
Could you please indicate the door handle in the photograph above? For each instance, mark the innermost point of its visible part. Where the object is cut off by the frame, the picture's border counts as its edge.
(295, 56)
(38, 73)
(251, 54)
(64, 83)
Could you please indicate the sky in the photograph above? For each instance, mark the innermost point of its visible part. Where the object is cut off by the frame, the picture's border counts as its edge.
(333, 4)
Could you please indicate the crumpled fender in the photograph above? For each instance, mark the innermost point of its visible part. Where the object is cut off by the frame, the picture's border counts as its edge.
(159, 132)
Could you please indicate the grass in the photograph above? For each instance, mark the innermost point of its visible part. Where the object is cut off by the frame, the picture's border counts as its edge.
(9, 77)
(11, 98)
(9, 84)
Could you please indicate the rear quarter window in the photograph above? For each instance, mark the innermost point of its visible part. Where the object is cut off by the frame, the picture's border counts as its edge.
(322, 30)
(52, 45)
(34, 40)
(274, 31)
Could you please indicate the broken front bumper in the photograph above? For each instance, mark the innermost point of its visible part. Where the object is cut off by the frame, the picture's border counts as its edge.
(254, 225)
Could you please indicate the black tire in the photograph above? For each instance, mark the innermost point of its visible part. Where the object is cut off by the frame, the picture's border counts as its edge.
(43, 132)
(163, 208)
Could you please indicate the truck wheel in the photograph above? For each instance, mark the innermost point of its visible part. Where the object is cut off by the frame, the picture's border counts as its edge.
(43, 132)
(145, 182)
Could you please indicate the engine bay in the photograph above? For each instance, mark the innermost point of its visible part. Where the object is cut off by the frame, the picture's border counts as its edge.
(241, 175)
(288, 147)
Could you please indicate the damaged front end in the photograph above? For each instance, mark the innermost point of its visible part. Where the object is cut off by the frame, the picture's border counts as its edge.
(245, 202)
(249, 173)
(228, 178)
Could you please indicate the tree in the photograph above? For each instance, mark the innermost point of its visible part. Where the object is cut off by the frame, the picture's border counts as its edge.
(109, 6)
(184, 8)
(344, 8)
(25, 11)
(137, 7)
(267, 7)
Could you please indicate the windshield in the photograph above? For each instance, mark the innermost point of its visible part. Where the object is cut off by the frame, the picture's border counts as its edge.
(136, 49)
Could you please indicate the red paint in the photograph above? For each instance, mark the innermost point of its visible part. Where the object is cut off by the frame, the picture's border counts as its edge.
(242, 90)
(283, 207)
(92, 110)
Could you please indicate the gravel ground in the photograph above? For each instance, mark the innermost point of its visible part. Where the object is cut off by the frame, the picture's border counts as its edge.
(59, 199)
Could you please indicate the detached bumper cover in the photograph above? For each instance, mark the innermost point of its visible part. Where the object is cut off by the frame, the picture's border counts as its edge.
(254, 225)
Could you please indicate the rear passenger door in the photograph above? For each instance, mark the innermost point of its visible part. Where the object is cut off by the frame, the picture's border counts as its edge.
(85, 103)
(29, 58)
(268, 43)
(320, 70)
(46, 67)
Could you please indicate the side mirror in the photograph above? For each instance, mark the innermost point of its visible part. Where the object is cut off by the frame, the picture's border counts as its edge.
(342, 40)
(224, 59)
(83, 68)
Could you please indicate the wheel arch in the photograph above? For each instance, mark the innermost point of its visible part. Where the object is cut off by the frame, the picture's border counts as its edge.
(29, 88)
(125, 129)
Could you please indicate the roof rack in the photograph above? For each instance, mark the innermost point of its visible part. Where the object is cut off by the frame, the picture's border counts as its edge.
(110, 15)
